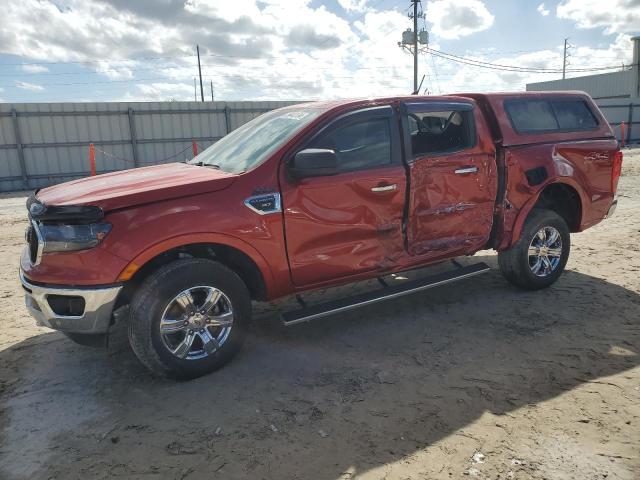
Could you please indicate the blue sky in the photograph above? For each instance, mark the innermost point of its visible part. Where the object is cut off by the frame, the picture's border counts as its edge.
(120, 50)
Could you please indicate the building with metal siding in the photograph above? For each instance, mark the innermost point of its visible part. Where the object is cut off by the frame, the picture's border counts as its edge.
(617, 94)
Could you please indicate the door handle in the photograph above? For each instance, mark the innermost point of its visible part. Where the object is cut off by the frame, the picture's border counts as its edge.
(384, 188)
(466, 170)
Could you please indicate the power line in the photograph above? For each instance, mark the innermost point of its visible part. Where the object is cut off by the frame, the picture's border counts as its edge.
(513, 68)
(80, 62)
(436, 52)
(182, 78)
(125, 69)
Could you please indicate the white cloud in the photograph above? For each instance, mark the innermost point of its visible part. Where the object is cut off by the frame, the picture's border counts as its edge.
(261, 49)
(456, 77)
(34, 68)
(165, 91)
(615, 16)
(29, 86)
(453, 19)
(353, 5)
(115, 70)
(542, 10)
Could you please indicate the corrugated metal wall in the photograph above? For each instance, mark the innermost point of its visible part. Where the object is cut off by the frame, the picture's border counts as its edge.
(46, 143)
(621, 110)
(606, 85)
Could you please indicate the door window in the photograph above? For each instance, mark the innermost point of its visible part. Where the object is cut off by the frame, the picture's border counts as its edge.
(358, 145)
(437, 132)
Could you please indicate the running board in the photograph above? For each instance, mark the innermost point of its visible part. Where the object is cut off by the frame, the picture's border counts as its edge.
(386, 293)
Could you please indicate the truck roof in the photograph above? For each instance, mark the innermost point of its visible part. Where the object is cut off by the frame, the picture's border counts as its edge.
(493, 108)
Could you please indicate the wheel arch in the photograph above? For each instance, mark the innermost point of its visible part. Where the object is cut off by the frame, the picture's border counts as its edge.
(242, 258)
(564, 196)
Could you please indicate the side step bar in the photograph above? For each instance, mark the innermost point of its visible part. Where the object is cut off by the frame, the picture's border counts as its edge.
(386, 293)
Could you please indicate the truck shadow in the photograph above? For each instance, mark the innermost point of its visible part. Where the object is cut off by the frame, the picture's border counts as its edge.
(346, 393)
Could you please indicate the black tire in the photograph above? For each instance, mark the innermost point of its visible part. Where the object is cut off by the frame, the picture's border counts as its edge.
(514, 262)
(158, 290)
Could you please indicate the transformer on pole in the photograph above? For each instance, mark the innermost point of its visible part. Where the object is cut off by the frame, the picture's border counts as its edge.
(413, 41)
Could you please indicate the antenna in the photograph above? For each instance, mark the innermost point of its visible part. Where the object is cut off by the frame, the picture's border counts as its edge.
(200, 74)
(565, 57)
(417, 91)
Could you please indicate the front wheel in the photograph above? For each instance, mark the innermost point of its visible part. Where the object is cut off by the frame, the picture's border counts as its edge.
(189, 318)
(538, 258)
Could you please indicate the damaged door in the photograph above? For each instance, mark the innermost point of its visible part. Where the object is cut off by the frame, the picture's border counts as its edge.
(453, 178)
(351, 222)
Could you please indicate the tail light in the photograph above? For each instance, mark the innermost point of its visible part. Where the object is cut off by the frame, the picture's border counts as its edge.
(616, 171)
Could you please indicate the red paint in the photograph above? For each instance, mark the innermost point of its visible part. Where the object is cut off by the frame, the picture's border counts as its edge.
(126, 188)
(335, 229)
(336, 226)
(194, 147)
(451, 213)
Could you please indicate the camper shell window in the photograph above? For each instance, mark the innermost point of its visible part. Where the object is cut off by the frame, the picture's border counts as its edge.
(550, 116)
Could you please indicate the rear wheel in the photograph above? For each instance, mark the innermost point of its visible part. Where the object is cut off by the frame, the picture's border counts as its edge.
(189, 318)
(540, 255)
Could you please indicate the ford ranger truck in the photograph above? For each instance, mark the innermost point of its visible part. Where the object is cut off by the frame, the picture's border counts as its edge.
(312, 196)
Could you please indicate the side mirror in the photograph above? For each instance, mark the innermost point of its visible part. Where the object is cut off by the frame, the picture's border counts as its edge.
(313, 162)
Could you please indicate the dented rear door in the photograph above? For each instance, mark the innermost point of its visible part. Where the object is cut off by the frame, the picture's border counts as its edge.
(453, 179)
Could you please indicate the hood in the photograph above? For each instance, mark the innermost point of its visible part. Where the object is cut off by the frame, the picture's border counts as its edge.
(127, 188)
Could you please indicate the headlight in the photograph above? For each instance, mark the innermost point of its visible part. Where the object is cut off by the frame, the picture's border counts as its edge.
(68, 238)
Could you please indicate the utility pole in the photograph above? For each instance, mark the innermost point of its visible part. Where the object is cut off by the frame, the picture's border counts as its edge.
(415, 45)
(195, 90)
(564, 59)
(200, 73)
(415, 42)
(212, 90)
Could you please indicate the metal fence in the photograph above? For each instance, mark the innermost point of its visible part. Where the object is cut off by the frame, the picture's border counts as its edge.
(46, 143)
(621, 111)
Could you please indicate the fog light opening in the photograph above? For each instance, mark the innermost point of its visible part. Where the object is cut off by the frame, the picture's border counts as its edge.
(66, 305)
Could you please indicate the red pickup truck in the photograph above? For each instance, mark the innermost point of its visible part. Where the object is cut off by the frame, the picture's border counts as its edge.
(317, 195)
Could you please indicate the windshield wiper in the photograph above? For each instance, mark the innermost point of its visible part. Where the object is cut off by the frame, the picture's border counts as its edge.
(200, 163)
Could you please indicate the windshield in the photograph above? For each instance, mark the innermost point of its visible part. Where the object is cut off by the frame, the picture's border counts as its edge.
(252, 143)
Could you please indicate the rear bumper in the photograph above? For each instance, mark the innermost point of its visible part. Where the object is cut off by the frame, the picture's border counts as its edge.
(612, 208)
(95, 316)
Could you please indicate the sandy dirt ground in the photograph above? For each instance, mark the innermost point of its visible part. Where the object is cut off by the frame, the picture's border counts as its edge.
(471, 380)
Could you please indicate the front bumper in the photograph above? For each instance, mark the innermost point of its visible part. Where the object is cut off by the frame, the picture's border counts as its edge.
(95, 316)
(612, 208)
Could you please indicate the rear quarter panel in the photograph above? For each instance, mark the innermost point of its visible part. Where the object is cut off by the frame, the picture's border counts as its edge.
(584, 166)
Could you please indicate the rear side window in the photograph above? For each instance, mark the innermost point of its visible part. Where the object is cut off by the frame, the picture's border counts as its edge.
(574, 115)
(438, 132)
(361, 144)
(534, 116)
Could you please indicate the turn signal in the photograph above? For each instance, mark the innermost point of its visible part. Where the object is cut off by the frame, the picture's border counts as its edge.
(128, 272)
(616, 171)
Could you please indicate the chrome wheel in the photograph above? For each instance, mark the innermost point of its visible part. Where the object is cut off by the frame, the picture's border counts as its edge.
(196, 322)
(545, 251)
